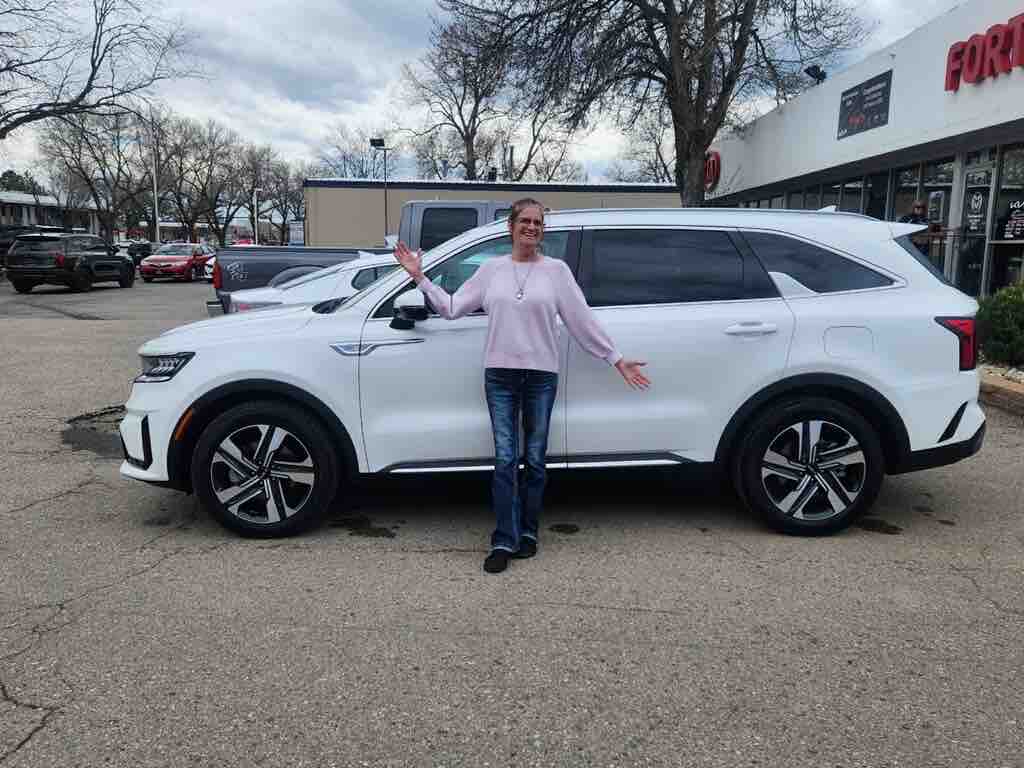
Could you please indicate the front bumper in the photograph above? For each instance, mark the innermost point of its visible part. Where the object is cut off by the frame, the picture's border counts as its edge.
(176, 271)
(214, 308)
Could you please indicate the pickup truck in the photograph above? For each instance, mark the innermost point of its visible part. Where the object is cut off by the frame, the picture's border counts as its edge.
(424, 224)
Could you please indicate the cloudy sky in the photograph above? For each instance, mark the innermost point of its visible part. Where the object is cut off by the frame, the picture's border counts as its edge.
(285, 72)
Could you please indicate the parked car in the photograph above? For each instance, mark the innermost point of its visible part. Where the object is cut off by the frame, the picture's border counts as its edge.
(803, 354)
(180, 261)
(138, 250)
(339, 281)
(422, 225)
(65, 258)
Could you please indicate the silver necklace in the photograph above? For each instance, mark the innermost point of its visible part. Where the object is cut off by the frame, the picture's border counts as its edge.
(522, 285)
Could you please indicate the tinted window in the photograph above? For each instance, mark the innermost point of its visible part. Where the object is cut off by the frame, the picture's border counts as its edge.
(502, 213)
(813, 267)
(663, 267)
(440, 224)
(453, 272)
(921, 256)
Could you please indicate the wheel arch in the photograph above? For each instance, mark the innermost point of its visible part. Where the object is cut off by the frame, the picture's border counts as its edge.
(869, 402)
(217, 401)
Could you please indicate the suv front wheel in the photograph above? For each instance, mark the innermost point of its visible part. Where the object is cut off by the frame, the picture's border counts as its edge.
(265, 469)
(810, 466)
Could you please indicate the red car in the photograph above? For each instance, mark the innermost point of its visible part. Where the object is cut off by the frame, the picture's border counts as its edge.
(181, 261)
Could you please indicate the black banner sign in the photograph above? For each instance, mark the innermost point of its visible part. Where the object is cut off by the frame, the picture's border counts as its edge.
(865, 106)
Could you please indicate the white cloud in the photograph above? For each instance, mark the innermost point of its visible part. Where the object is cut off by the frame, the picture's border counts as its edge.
(284, 72)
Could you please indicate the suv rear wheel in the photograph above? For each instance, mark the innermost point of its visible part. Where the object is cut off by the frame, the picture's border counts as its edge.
(22, 287)
(265, 469)
(810, 466)
(82, 281)
(127, 279)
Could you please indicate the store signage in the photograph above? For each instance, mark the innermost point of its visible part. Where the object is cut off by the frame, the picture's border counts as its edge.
(986, 55)
(1012, 227)
(865, 106)
(712, 170)
(975, 210)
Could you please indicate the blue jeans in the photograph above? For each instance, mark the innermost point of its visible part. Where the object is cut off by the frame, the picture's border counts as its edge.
(518, 496)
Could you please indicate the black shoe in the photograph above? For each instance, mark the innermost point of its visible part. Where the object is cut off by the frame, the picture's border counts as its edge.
(527, 548)
(497, 561)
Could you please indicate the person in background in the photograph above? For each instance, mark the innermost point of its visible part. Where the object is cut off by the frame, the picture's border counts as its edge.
(523, 294)
(917, 214)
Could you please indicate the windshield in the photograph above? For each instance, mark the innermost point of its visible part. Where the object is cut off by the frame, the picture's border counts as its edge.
(175, 250)
(295, 282)
(36, 243)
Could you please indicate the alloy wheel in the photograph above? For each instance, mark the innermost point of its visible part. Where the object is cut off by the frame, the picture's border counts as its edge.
(813, 470)
(262, 474)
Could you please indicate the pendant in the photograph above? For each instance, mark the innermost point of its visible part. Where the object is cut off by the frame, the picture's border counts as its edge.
(519, 296)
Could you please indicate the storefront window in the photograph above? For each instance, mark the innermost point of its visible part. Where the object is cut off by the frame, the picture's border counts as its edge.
(876, 195)
(778, 202)
(830, 195)
(1008, 228)
(765, 204)
(851, 196)
(795, 200)
(812, 199)
(906, 191)
(938, 187)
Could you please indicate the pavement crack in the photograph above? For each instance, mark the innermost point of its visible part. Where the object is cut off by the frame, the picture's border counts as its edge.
(70, 492)
(49, 712)
(965, 573)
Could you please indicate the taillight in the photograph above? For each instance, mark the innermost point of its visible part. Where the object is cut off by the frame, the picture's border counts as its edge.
(965, 330)
(216, 276)
(58, 258)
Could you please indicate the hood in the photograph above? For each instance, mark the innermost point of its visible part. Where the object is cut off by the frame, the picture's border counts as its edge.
(228, 329)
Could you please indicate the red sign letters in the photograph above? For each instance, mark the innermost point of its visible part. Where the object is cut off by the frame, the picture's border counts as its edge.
(712, 170)
(989, 55)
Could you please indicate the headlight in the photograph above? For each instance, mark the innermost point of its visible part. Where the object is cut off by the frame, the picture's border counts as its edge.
(162, 367)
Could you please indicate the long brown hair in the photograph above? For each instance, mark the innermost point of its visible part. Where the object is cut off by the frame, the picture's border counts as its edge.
(524, 202)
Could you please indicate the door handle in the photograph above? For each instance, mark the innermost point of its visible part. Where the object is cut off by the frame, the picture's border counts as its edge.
(755, 328)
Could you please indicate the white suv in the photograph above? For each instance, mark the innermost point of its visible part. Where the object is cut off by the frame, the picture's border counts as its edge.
(806, 354)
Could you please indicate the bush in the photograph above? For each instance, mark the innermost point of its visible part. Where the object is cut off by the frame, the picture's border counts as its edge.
(1001, 326)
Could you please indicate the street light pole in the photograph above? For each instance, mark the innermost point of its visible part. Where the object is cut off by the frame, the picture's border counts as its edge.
(379, 144)
(156, 201)
(256, 216)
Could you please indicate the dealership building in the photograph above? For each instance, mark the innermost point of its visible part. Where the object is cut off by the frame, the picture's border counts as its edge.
(937, 116)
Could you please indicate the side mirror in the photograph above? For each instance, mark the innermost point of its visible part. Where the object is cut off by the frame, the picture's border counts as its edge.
(410, 308)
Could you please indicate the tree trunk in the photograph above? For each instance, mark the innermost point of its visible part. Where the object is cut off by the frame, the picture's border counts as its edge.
(692, 188)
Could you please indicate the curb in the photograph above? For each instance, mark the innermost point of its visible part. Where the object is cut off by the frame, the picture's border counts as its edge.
(1002, 393)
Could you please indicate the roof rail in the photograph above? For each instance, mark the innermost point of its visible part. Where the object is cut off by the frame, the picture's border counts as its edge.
(752, 211)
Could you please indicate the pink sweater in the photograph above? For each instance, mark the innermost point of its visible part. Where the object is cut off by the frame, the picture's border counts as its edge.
(523, 333)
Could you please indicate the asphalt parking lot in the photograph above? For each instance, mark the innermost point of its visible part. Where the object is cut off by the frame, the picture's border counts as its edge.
(659, 625)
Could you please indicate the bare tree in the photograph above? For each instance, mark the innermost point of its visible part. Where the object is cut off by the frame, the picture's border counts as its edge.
(347, 153)
(66, 186)
(285, 195)
(101, 153)
(695, 58)
(55, 63)
(460, 80)
(650, 153)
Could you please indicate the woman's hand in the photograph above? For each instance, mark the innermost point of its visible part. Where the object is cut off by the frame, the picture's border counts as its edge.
(630, 370)
(411, 262)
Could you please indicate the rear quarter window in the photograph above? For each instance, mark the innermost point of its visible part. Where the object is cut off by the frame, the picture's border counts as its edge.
(441, 224)
(921, 257)
(814, 267)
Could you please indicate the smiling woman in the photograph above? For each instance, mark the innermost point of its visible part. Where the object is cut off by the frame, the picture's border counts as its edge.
(523, 294)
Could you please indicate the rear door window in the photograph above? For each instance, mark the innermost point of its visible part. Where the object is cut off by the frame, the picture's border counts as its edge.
(37, 244)
(655, 266)
(814, 267)
(441, 224)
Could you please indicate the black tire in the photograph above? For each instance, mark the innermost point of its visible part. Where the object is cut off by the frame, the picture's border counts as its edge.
(127, 279)
(82, 282)
(22, 287)
(243, 430)
(796, 491)
(190, 275)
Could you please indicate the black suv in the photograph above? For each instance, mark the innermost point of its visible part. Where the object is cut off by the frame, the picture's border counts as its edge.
(62, 258)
